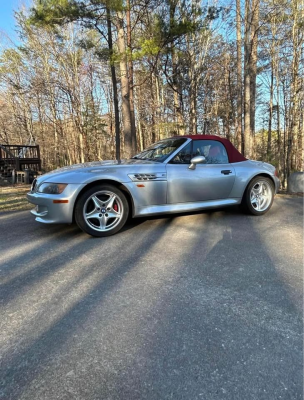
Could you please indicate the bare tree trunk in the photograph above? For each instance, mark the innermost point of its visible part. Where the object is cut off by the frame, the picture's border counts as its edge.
(125, 87)
(285, 133)
(153, 109)
(247, 73)
(270, 115)
(131, 79)
(175, 82)
(158, 104)
(176, 93)
(193, 103)
(250, 72)
(239, 125)
(279, 130)
(253, 62)
(81, 150)
(295, 84)
(114, 86)
(141, 139)
(300, 141)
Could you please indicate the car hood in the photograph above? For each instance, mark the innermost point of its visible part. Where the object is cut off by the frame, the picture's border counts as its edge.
(98, 164)
(106, 167)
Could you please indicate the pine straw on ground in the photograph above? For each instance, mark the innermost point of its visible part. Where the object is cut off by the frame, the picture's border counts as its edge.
(13, 198)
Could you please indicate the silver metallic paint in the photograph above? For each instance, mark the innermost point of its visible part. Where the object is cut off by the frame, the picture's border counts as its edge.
(51, 213)
(153, 193)
(205, 182)
(197, 160)
(245, 171)
(185, 207)
(174, 190)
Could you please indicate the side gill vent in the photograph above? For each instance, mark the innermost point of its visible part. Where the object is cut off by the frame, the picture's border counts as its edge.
(145, 177)
(156, 176)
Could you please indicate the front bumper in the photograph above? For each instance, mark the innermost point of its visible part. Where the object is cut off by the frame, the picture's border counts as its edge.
(48, 212)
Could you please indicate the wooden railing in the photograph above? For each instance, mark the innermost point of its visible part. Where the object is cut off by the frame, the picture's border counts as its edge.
(21, 157)
(17, 151)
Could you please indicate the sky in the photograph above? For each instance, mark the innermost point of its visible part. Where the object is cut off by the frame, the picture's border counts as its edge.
(7, 22)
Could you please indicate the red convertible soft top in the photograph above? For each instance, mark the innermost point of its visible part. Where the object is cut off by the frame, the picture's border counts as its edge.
(233, 154)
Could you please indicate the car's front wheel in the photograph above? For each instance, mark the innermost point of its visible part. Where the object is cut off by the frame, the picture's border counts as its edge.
(102, 210)
(259, 195)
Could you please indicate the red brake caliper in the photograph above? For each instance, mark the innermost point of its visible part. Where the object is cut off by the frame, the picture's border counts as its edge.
(115, 207)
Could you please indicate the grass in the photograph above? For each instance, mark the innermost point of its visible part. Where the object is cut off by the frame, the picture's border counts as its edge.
(13, 198)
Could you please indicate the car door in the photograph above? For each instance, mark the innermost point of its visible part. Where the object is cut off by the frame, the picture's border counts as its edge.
(211, 181)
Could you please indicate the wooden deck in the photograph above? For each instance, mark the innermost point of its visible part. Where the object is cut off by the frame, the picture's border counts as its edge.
(18, 163)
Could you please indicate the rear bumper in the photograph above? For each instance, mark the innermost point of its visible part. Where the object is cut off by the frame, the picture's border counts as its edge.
(277, 184)
(48, 212)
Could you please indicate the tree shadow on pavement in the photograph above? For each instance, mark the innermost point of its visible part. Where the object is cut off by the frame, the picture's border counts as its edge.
(228, 330)
(180, 311)
(16, 374)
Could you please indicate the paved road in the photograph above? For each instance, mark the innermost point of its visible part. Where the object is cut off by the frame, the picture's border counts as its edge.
(204, 306)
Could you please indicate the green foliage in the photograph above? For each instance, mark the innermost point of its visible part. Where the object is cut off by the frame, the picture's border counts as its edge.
(148, 47)
(93, 123)
(171, 30)
(58, 12)
(52, 12)
(86, 44)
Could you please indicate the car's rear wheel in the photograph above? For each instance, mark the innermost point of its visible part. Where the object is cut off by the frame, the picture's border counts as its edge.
(102, 210)
(259, 195)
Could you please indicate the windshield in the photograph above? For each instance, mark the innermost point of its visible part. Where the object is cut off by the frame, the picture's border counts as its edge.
(160, 151)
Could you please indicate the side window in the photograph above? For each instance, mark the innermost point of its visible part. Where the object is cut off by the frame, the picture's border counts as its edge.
(184, 156)
(213, 150)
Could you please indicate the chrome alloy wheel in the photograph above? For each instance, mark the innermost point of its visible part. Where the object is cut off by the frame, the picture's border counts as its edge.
(103, 211)
(261, 195)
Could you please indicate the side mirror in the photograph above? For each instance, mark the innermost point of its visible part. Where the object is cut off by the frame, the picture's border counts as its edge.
(197, 160)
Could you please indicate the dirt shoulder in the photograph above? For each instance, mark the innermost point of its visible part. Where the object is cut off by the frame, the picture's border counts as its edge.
(284, 193)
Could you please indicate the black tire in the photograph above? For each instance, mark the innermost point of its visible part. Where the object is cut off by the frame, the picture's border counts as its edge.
(248, 203)
(90, 224)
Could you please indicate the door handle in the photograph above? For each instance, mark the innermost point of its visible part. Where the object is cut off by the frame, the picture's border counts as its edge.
(226, 171)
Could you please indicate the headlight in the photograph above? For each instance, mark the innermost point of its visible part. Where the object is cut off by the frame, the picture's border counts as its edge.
(52, 188)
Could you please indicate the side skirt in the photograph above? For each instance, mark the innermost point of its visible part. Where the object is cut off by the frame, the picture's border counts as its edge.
(184, 207)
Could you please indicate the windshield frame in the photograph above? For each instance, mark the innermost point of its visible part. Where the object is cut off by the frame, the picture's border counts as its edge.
(170, 156)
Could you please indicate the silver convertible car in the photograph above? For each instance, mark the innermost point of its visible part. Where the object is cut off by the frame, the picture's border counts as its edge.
(178, 174)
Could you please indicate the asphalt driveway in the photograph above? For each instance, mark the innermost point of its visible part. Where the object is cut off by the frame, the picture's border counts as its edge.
(203, 306)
